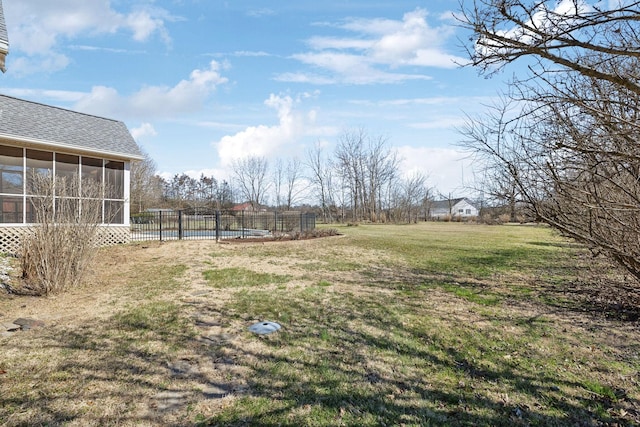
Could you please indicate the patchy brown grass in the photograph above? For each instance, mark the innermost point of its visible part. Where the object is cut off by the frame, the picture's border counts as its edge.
(411, 325)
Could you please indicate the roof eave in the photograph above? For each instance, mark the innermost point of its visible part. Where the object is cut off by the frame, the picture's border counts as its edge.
(68, 147)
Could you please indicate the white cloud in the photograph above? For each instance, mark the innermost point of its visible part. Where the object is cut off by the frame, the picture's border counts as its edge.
(441, 122)
(37, 28)
(259, 13)
(446, 168)
(52, 62)
(144, 24)
(437, 101)
(155, 101)
(249, 53)
(351, 69)
(269, 141)
(414, 42)
(144, 130)
(104, 49)
(379, 48)
(305, 78)
(321, 43)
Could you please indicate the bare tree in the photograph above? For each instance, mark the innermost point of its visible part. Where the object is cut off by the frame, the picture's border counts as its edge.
(293, 175)
(382, 166)
(286, 177)
(489, 139)
(366, 166)
(251, 177)
(224, 196)
(416, 194)
(573, 153)
(321, 179)
(278, 181)
(567, 36)
(146, 188)
(181, 191)
(349, 165)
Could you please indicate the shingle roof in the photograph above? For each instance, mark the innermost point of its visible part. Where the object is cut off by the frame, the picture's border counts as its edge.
(35, 123)
(445, 204)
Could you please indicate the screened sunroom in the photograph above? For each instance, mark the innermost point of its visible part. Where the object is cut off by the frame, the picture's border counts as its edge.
(73, 150)
(18, 166)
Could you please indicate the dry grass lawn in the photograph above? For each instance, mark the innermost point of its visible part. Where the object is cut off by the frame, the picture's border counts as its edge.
(429, 324)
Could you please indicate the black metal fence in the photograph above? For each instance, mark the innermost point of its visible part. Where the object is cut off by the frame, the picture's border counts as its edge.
(178, 225)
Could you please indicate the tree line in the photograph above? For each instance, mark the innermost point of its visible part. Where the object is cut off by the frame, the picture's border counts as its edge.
(360, 180)
(150, 190)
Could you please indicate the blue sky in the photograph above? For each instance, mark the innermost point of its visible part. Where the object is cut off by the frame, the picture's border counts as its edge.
(200, 83)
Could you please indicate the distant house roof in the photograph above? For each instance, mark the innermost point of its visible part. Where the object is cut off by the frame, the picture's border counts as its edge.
(243, 207)
(43, 126)
(445, 204)
(4, 40)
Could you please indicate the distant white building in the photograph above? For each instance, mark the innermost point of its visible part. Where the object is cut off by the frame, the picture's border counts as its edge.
(453, 208)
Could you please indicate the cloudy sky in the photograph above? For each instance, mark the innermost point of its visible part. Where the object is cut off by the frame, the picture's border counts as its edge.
(200, 83)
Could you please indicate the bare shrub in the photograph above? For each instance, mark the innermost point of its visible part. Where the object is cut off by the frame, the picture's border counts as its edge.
(320, 232)
(487, 219)
(61, 246)
(504, 218)
(306, 234)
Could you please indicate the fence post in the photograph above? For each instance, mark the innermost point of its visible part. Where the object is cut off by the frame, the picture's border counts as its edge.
(160, 221)
(217, 219)
(275, 221)
(180, 225)
(242, 222)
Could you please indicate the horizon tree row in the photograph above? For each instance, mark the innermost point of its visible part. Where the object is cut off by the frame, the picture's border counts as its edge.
(360, 180)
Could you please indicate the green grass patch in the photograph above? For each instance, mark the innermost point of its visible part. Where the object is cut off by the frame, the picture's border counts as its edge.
(601, 390)
(161, 317)
(478, 296)
(462, 249)
(324, 284)
(240, 277)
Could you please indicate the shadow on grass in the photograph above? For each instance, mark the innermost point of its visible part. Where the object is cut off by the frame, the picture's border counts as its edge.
(114, 372)
(374, 398)
(322, 369)
(574, 281)
(326, 369)
(342, 359)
